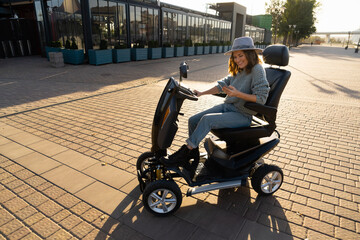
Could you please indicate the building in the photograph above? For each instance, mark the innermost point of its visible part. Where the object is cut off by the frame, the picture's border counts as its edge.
(30, 25)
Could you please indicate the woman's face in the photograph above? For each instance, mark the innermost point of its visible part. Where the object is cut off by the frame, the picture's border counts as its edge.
(240, 59)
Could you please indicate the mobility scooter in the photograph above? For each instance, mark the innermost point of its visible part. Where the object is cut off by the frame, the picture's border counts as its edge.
(222, 167)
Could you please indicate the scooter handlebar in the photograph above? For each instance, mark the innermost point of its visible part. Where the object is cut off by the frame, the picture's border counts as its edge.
(187, 93)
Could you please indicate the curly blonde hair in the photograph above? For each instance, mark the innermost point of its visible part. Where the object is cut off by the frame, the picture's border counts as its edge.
(251, 56)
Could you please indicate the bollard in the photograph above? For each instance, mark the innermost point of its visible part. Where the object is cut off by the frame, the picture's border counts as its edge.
(56, 59)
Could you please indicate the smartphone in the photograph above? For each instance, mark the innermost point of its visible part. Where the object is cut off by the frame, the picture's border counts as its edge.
(222, 84)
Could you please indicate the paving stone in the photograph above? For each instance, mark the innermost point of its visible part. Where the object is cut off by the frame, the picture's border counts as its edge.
(68, 178)
(11, 226)
(258, 231)
(20, 233)
(45, 227)
(26, 212)
(6, 195)
(35, 218)
(109, 175)
(58, 217)
(68, 200)
(49, 208)
(75, 159)
(61, 234)
(91, 214)
(70, 222)
(322, 227)
(80, 208)
(48, 148)
(37, 162)
(5, 216)
(13, 150)
(54, 192)
(82, 229)
(36, 199)
(346, 234)
(15, 204)
(109, 200)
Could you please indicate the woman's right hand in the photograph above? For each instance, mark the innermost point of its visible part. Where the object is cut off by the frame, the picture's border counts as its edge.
(197, 93)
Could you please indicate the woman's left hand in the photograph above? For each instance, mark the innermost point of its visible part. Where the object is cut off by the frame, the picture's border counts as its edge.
(230, 91)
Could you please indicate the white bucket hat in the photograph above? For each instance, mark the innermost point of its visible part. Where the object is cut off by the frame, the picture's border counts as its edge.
(243, 43)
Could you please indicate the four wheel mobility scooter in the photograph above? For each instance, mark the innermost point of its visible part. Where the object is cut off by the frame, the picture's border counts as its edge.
(222, 167)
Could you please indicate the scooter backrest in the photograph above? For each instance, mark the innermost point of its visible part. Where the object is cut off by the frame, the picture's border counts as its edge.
(277, 78)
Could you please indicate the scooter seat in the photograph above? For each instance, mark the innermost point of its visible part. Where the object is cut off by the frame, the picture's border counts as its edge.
(243, 158)
(257, 129)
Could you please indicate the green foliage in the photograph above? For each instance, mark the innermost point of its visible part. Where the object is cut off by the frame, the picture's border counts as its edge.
(302, 14)
(178, 44)
(153, 44)
(139, 44)
(198, 44)
(67, 44)
(73, 44)
(293, 12)
(166, 44)
(188, 43)
(56, 44)
(214, 43)
(103, 45)
(120, 45)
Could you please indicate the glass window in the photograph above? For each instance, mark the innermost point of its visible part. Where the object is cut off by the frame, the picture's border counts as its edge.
(144, 24)
(65, 21)
(121, 16)
(156, 24)
(113, 23)
(132, 24)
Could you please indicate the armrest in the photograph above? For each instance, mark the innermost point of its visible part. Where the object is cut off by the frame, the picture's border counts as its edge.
(223, 95)
(262, 109)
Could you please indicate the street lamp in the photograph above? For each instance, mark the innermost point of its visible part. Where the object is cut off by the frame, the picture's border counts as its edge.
(291, 27)
(347, 45)
(296, 37)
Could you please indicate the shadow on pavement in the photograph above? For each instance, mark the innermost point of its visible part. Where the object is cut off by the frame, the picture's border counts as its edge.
(33, 82)
(230, 214)
(350, 92)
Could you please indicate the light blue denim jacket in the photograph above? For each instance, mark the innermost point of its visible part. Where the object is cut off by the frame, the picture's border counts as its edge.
(252, 83)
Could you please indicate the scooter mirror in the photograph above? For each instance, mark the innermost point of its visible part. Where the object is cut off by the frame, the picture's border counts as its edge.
(183, 70)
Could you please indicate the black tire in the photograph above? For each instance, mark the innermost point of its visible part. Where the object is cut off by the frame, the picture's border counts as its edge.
(142, 160)
(267, 179)
(160, 205)
(140, 165)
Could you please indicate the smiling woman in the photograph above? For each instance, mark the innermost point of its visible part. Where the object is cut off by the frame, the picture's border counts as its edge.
(246, 83)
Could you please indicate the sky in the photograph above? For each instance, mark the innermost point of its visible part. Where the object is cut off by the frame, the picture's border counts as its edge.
(332, 16)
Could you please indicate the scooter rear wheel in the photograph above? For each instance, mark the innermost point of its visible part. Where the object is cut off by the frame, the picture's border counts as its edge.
(162, 197)
(267, 179)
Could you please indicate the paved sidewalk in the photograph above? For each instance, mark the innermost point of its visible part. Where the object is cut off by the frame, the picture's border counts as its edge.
(70, 137)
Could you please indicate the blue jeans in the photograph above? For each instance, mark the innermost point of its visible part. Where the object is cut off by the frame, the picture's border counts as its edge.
(224, 115)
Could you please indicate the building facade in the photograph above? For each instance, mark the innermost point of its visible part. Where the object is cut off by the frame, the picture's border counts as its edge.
(32, 25)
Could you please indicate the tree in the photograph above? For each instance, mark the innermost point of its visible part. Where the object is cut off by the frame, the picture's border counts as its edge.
(298, 19)
(275, 9)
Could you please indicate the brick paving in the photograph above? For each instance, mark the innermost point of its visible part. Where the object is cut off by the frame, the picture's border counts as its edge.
(70, 137)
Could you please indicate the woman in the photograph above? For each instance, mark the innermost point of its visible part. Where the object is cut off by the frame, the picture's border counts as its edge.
(246, 83)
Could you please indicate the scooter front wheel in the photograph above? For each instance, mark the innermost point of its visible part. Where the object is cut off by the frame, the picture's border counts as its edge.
(143, 161)
(141, 165)
(267, 179)
(162, 197)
